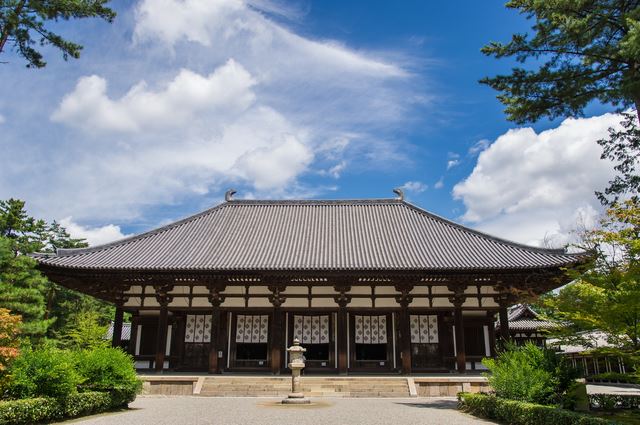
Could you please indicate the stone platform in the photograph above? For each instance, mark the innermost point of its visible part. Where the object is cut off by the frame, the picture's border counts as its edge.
(312, 386)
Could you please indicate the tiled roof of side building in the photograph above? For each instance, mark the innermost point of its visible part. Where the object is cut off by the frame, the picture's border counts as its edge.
(382, 234)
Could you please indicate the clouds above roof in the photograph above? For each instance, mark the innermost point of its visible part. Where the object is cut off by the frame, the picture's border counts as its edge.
(529, 186)
(195, 96)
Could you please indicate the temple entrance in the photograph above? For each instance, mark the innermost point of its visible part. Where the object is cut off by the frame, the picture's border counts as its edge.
(426, 352)
(371, 348)
(197, 337)
(250, 344)
(314, 333)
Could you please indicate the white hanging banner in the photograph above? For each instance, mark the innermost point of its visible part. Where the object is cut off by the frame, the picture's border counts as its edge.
(371, 329)
(311, 329)
(424, 329)
(252, 329)
(198, 328)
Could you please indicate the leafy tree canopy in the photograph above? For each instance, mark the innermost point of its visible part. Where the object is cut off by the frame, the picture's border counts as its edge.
(582, 51)
(587, 50)
(23, 24)
(606, 293)
(46, 307)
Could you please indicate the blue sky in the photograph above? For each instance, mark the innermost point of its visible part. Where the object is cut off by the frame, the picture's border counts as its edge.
(177, 101)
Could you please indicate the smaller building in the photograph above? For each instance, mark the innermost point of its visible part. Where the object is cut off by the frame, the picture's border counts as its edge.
(525, 325)
(591, 356)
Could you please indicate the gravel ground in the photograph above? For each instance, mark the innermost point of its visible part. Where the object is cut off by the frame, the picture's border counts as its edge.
(257, 411)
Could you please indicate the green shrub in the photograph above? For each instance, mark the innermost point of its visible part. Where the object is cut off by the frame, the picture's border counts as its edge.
(46, 409)
(530, 373)
(521, 413)
(43, 372)
(108, 369)
(614, 401)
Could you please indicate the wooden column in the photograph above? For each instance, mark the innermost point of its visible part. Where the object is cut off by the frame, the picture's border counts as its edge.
(161, 338)
(492, 333)
(504, 322)
(163, 323)
(134, 335)
(405, 340)
(216, 300)
(116, 338)
(457, 300)
(342, 335)
(461, 356)
(404, 299)
(214, 364)
(277, 328)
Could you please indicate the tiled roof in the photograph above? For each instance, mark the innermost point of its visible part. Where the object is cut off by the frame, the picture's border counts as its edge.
(385, 234)
(522, 317)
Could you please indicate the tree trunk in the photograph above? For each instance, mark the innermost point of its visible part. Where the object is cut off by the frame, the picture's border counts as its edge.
(4, 34)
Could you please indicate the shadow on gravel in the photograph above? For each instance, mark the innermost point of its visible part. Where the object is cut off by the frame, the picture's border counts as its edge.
(440, 404)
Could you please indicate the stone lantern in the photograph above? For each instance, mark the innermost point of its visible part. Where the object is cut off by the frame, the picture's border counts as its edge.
(296, 354)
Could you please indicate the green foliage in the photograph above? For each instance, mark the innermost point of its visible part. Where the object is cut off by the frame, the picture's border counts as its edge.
(45, 306)
(22, 289)
(622, 147)
(530, 373)
(44, 372)
(586, 50)
(606, 292)
(84, 331)
(108, 369)
(23, 22)
(522, 413)
(583, 51)
(36, 410)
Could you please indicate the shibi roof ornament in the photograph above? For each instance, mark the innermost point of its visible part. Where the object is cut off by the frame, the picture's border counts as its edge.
(228, 196)
(400, 193)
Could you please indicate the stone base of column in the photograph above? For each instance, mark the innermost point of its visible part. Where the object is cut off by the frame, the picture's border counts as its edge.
(296, 398)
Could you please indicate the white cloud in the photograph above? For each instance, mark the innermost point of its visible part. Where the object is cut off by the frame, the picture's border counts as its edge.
(528, 186)
(414, 186)
(210, 94)
(2, 119)
(93, 235)
(479, 146)
(276, 166)
(210, 22)
(452, 163)
(224, 91)
(439, 184)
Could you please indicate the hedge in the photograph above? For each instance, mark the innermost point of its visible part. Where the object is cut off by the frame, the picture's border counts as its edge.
(614, 401)
(33, 410)
(521, 413)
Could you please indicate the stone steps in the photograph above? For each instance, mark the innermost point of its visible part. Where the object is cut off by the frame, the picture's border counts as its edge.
(312, 387)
